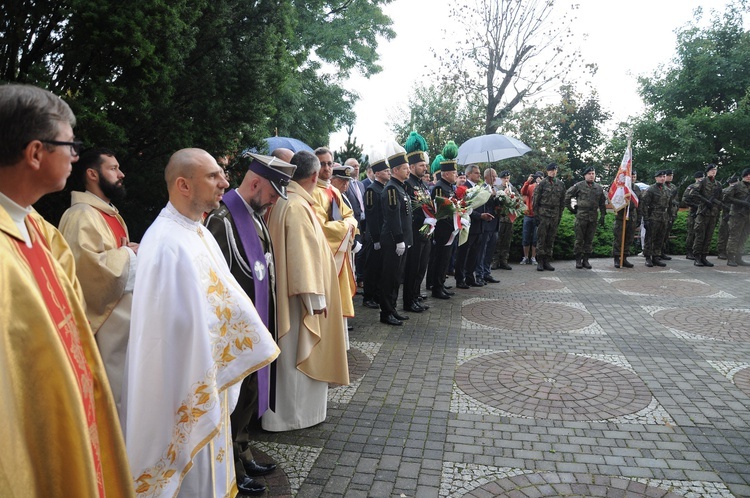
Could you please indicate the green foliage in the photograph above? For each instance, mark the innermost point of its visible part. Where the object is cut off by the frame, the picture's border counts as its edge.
(698, 106)
(351, 149)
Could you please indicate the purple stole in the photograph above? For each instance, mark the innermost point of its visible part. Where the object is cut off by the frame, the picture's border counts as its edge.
(256, 258)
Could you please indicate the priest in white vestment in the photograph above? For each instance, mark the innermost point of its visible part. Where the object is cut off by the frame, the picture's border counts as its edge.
(194, 336)
(310, 323)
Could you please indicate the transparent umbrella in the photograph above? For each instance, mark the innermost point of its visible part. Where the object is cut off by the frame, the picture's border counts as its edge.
(490, 148)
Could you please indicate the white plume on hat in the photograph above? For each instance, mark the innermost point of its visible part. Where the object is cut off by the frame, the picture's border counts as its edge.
(377, 153)
(392, 148)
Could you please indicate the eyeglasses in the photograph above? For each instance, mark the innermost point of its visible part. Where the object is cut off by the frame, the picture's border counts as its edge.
(75, 146)
(324, 163)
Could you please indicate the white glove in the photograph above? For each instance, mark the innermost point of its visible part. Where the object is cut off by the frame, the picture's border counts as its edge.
(400, 249)
(376, 246)
(357, 246)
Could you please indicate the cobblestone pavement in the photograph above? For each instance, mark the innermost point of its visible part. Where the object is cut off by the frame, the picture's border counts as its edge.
(603, 382)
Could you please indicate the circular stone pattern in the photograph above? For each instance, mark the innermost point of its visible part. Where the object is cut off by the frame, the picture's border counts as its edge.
(541, 284)
(728, 325)
(664, 287)
(742, 380)
(526, 316)
(569, 486)
(554, 386)
(359, 363)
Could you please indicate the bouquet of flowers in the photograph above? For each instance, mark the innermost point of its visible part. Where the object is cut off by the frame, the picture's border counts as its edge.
(509, 204)
(423, 201)
(468, 200)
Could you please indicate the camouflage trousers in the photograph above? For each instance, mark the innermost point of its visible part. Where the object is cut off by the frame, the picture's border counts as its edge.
(721, 243)
(704, 231)
(546, 234)
(690, 239)
(585, 229)
(629, 236)
(656, 231)
(739, 229)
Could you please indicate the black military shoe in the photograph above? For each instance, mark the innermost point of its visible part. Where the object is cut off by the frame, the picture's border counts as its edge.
(721, 256)
(504, 266)
(440, 295)
(414, 308)
(398, 316)
(585, 263)
(370, 304)
(649, 262)
(665, 257)
(626, 263)
(689, 256)
(579, 262)
(462, 285)
(540, 264)
(705, 261)
(548, 266)
(731, 261)
(698, 262)
(491, 280)
(391, 320)
(254, 469)
(250, 487)
(617, 262)
(657, 262)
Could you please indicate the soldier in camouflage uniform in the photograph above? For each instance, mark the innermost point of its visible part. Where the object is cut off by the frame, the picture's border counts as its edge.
(654, 207)
(721, 243)
(690, 222)
(548, 203)
(632, 223)
(674, 207)
(708, 197)
(589, 197)
(738, 197)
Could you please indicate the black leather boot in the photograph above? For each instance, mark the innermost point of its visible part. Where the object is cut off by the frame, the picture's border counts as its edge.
(548, 266)
(731, 260)
(617, 262)
(626, 263)
(585, 262)
(657, 262)
(705, 261)
(579, 263)
(539, 263)
(649, 262)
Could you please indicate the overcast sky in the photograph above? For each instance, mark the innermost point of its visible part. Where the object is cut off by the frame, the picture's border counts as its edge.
(625, 39)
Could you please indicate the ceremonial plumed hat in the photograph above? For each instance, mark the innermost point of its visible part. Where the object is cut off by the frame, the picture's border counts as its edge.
(273, 169)
(450, 153)
(416, 147)
(745, 172)
(377, 159)
(342, 171)
(551, 166)
(709, 167)
(395, 153)
(588, 170)
(699, 174)
(504, 174)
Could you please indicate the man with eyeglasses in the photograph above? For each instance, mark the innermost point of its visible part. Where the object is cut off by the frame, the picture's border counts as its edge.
(239, 227)
(339, 226)
(60, 427)
(105, 258)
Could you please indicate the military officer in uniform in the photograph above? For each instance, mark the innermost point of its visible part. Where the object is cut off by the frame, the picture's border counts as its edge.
(632, 223)
(708, 196)
(418, 255)
(693, 211)
(738, 197)
(654, 207)
(589, 197)
(548, 203)
(674, 206)
(395, 237)
(726, 211)
(374, 216)
(443, 231)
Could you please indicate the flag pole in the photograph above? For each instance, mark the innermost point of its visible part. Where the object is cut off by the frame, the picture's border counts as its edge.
(626, 216)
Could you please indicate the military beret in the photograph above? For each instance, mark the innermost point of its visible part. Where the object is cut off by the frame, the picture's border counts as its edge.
(745, 172)
(661, 172)
(668, 172)
(538, 174)
(504, 174)
(588, 170)
(699, 174)
(709, 167)
(733, 179)
(551, 166)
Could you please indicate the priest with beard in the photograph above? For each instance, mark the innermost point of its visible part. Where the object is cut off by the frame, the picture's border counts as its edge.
(104, 256)
(242, 234)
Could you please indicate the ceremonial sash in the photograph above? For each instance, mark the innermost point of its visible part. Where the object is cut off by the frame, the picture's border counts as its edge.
(59, 310)
(256, 259)
(117, 229)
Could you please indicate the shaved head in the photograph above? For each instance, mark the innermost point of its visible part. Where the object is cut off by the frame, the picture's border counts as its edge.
(183, 164)
(283, 154)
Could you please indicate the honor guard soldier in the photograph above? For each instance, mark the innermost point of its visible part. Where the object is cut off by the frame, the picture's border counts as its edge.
(374, 217)
(674, 206)
(738, 197)
(726, 211)
(396, 234)
(418, 255)
(589, 197)
(708, 196)
(655, 209)
(632, 223)
(690, 222)
(548, 203)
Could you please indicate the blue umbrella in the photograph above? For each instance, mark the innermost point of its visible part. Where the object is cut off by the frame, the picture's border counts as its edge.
(287, 143)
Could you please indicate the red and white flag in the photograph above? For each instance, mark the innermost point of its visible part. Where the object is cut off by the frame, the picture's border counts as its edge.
(621, 190)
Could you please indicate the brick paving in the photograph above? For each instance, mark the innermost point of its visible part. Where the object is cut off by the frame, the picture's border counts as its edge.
(601, 383)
